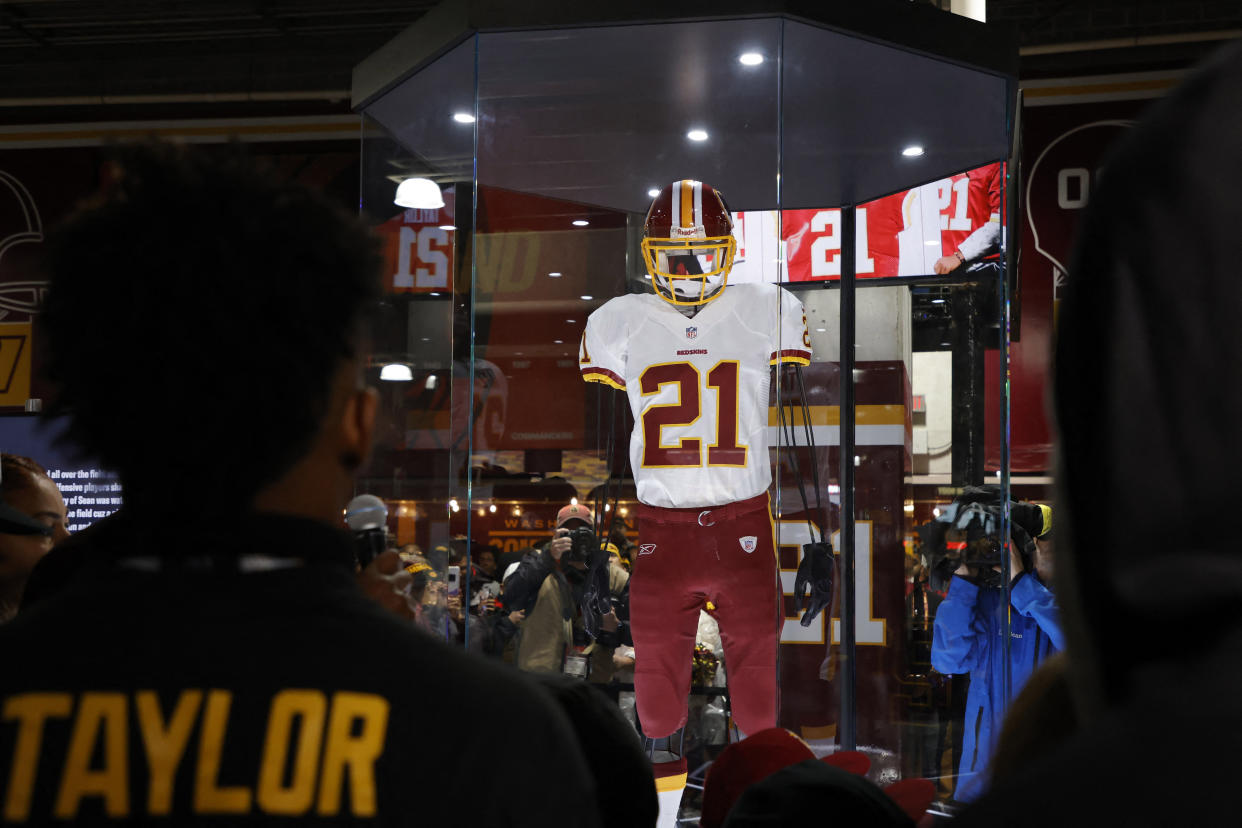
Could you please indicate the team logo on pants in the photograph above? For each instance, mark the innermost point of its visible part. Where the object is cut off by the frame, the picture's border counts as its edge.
(748, 543)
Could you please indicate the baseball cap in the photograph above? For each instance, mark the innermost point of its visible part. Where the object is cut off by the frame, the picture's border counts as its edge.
(744, 763)
(418, 566)
(807, 790)
(574, 512)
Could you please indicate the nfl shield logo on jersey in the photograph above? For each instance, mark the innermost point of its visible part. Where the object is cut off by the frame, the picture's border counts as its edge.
(691, 333)
(748, 543)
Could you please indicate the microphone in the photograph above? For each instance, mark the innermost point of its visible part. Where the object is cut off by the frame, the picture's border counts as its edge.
(367, 517)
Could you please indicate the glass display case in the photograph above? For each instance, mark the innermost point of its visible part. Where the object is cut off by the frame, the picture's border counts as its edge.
(864, 155)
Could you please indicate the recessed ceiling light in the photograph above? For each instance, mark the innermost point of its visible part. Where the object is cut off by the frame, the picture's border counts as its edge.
(571, 321)
(937, 301)
(697, 135)
(558, 342)
(750, 58)
(581, 223)
(586, 298)
(433, 294)
(463, 117)
(653, 192)
(555, 274)
(912, 152)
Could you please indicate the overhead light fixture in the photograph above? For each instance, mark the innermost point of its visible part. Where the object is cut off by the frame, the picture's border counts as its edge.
(492, 508)
(419, 194)
(396, 372)
(463, 117)
(653, 192)
(586, 298)
(937, 301)
(430, 384)
(571, 321)
(581, 223)
(750, 59)
(556, 274)
(697, 135)
(447, 227)
(558, 342)
(912, 152)
(434, 293)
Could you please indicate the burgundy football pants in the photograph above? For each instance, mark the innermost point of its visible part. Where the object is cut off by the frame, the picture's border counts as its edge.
(686, 558)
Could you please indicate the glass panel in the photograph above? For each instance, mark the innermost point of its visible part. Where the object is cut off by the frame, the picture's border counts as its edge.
(852, 106)
(578, 129)
(423, 129)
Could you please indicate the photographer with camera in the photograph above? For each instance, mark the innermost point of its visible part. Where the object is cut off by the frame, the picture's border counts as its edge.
(971, 622)
(548, 585)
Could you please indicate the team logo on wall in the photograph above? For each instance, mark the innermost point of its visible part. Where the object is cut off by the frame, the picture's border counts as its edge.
(691, 333)
(646, 548)
(748, 543)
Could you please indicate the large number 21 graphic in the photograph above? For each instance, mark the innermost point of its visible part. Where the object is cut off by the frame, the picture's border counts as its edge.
(688, 452)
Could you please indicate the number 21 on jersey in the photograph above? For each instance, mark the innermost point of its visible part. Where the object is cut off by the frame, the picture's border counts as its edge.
(686, 411)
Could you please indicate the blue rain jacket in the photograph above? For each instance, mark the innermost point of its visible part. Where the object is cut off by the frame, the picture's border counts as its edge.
(968, 639)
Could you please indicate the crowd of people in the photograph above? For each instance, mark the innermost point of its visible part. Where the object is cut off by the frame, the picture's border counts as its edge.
(238, 663)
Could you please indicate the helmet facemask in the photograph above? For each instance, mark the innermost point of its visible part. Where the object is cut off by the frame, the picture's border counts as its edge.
(689, 271)
(688, 244)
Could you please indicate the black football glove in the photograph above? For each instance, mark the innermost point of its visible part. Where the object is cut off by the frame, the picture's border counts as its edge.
(816, 572)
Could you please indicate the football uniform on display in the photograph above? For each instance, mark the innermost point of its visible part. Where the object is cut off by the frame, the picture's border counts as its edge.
(699, 389)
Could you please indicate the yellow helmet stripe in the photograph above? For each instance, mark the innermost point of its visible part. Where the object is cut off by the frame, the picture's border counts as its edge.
(687, 203)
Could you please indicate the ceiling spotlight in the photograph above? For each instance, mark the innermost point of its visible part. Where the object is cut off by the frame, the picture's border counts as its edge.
(912, 152)
(419, 194)
(586, 298)
(750, 59)
(697, 135)
(571, 321)
(433, 293)
(581, 223)
(396, 372)
(463, 117)
(556, 274)
(447, 227)
(492, 508)
(653, 192)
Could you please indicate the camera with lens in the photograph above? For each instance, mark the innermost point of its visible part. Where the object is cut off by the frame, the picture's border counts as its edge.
(583, 544)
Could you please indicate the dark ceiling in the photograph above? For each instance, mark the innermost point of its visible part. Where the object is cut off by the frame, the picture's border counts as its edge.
(60, 59)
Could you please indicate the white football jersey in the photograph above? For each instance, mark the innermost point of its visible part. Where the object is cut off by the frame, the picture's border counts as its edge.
(698, 387)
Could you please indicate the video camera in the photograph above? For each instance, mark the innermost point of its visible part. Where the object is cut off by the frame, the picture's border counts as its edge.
(967, 532)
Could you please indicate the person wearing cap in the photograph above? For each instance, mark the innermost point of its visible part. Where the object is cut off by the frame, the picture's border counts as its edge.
(968, 637)
(548, 631)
